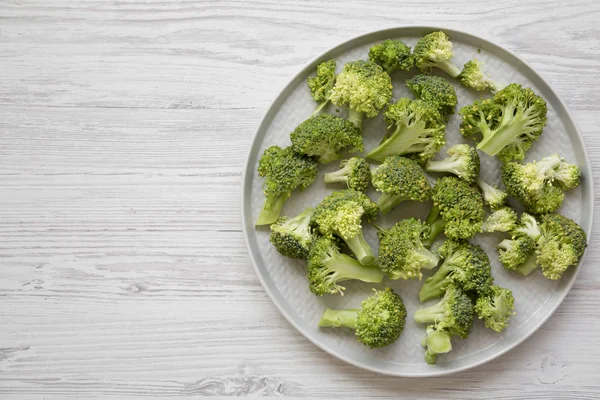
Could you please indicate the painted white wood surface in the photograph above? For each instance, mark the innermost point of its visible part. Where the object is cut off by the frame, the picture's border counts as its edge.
(123, 129)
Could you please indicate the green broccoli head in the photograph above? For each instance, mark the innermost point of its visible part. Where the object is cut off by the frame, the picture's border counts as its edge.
(402, 254)
(341, 214)
(400, 179)
(284, 171)
(536, 185)
(292, 237)
(453, 312)
(434, 90)
(355, 172)
(464, 264)
(417, 128)
(560, 246)
(327, 267)
(364, 87)
(325, 136)
(460, 206)
(495, 308)
(392, 55)
(436, 341)
(320, 85)
(462, 161)
(435, 51)
(508, 124)
(515, 252)
(474, 76)
(503, 219)
(492, 196)
(378, 323)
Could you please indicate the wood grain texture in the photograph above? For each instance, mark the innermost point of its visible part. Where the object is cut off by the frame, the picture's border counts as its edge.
(124, 126)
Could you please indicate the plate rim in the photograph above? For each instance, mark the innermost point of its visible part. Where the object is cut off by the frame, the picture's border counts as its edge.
(267, 119)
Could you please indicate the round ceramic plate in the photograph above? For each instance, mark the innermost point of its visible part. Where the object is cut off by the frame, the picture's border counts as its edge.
(285, 280)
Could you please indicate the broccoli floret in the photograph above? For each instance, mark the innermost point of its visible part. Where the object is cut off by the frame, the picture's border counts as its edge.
(400, 179)
(364, 87)
(462, 161)
(465, 265)
(495, 308)
(536, 185)
(292, 237)
(435, 51)
(284, 171)
(320, 86)
(327, 267)
(453, 312)
(378, 323)
(460, 205)
(560, 246)
(434, 90)
(518, 253)
(325, 136)
(435, 225)
(341, 214)
(436, 341)
(392, 55)
(508, 124)
(492, 196)
(502, 220)
(416, 127)
(401, 252)
(355, 172)
(474, 76)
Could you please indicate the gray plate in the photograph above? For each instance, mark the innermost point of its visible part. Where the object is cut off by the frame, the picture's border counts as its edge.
(285, 280)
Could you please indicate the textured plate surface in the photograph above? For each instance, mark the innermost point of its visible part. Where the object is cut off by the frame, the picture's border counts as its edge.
(285, 280)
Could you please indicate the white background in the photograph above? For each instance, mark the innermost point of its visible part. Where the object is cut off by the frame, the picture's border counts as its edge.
(124, 126)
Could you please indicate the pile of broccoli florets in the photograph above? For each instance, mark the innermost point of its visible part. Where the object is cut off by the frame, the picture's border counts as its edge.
(329, 237)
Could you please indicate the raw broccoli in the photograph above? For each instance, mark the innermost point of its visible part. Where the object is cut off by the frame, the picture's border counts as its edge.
(400, 179)
(327, 267)
(434, 90)
(325, 136)
(284, 171)
(320, 86)
(465, 265)
(462, 161)
(416, 127)
(459, 205)
(292, 237)
(474, 76)
(453, 312)
(495, 307)
(378, 323)
(401, 252)
(536, 185)
(509, 123)
(392, 55)
(502, 220)
(435, 51)
(435, 225)
(341, 214)
(364, 87)
(492, 196)
(355, 172)
(518, 252)
(560, 246)
(436, 341)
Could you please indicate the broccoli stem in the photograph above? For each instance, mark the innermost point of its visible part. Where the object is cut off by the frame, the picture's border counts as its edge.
(388, 201)
(345, 268)
(434, 285)
(511, 127)
(356, 118)
(444, 166)
(436, 226)
(433, 260)
(361, 249)
(436, 342)
(431, 314)
(528, 266)
(329, 156)
(404, 140)
(339, 318)
(339, 176)
(449, 67)
(272, 209)
(320, 106)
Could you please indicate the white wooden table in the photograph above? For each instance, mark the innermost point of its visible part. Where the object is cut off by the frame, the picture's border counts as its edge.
(124, 126)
